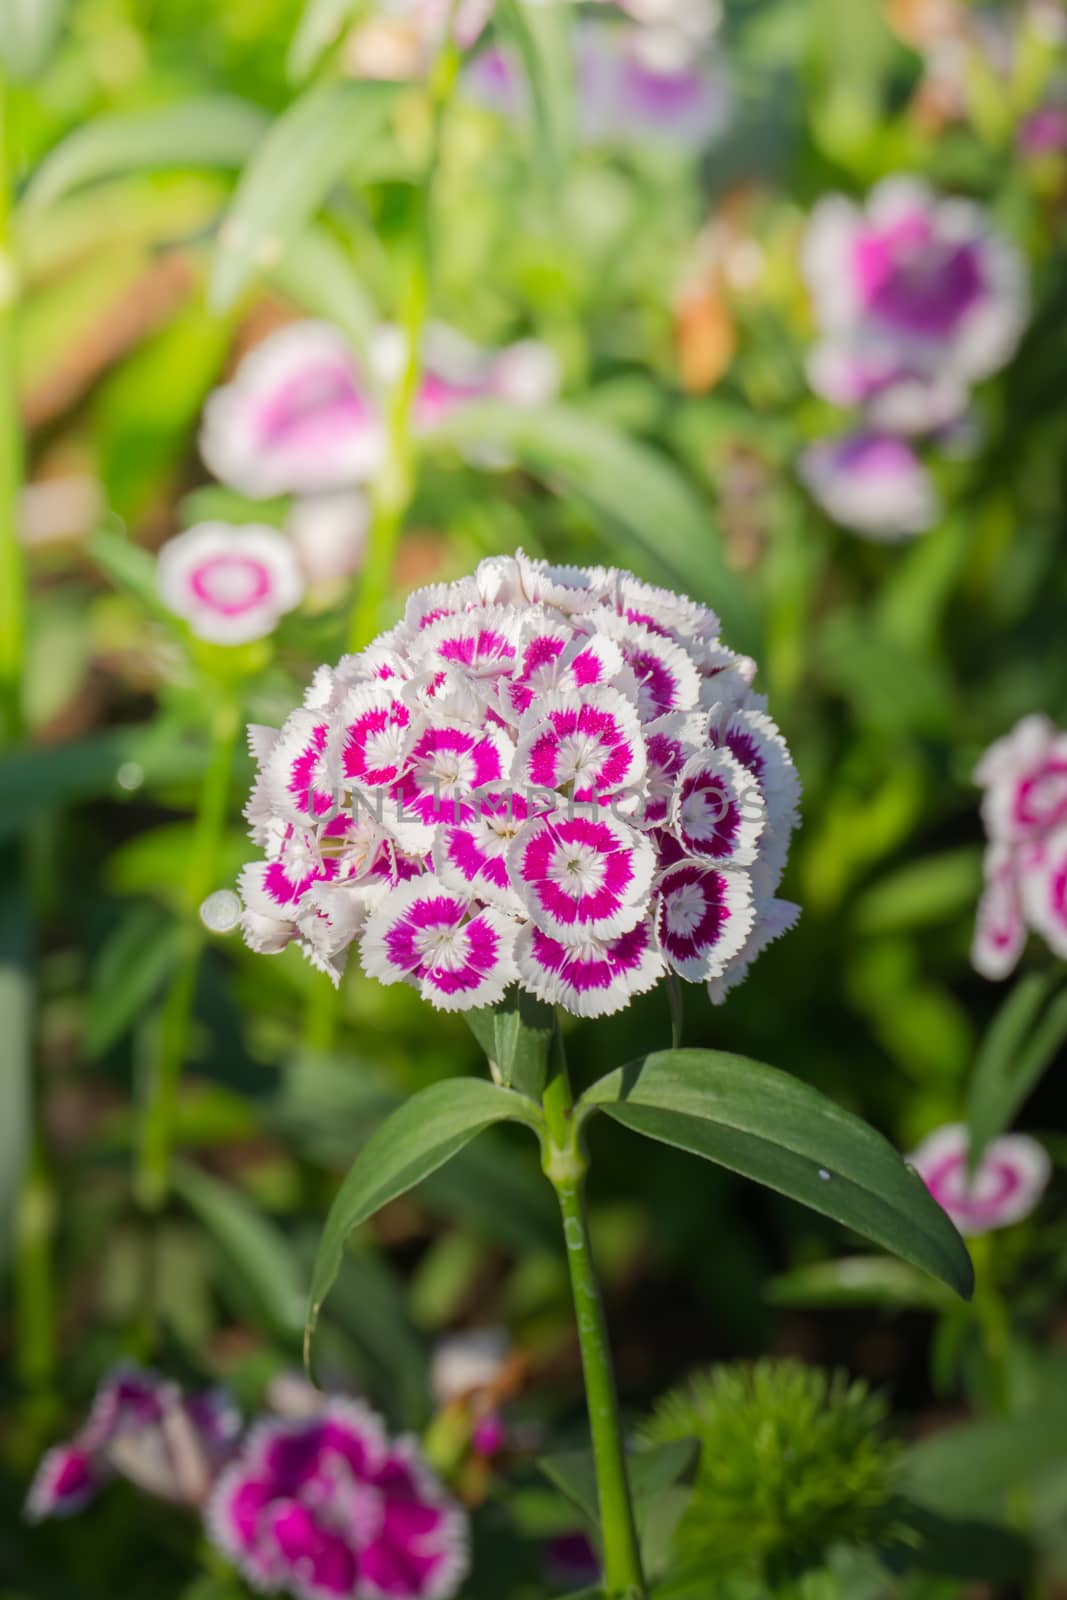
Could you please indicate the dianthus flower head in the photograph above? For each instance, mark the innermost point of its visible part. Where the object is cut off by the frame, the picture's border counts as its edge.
(303, 415)
(141, 1427)
(551, 776)
(325, 1507)
(916, 297)
(1024, 808)
(1008, 1183)
(873, 483)
(231, 584)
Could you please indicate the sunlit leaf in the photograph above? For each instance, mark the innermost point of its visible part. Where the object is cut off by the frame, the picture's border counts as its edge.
(310, 146)
(319, 27)
(214, 131)
(317, 272)
(414, 1141)
(28, 32)
(543, 39)
(639, 493)
(775, 1129)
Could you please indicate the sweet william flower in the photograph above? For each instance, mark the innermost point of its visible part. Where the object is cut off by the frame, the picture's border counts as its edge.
(141, 1427)
(872, 483)
(230, 584)
(325, 1507)
(916, 297)
(1006, 1187)
(552, 776)
(302, 415)
(1024, 808)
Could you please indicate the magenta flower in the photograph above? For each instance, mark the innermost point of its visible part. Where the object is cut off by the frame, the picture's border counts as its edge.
(326, 1508)
(140, 1427)
(1007, 1185)
(1024, 807)
(231, 584)
(872, 483)
(546, 775)
(916, 297)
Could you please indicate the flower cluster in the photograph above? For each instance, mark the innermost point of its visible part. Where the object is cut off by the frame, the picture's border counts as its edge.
(551, 775)
(1024, 807)
(1006, 1186)
(916, 298)
(325, 1507)
(143, 1428)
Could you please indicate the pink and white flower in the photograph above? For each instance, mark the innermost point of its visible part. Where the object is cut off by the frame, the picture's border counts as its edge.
(298, 417)
(231, 584)
(325, 1507)
(1006, 1187)
(329, 534)
(917, 297)
(873, 483)
(140, 1427)
(593, 978)
(582, 877)
(535, 778)
(456, 373)
(1024, 808)
(426, 933)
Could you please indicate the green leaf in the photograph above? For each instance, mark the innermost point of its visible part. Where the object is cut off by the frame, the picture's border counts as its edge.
(1018, 1046)
(129, 971)
(16, 1009)
(28, 32)
(772, 1127)
(962, 1547)
(130, 568)
(921, 894)
(414, 1141)
(119, 760)
(632, 486)
(970, 1469)
(858, 1281)
(307, 150)
(517, 1036)
(319, 27)
(214, 131)
(316, 271)
(257, 1252)
(650, 1469)
(542, 37)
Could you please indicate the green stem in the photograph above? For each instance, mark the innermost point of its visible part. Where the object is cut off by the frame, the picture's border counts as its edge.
(152, 1177)
(394, 487)
(565, 1165)
(12, 567)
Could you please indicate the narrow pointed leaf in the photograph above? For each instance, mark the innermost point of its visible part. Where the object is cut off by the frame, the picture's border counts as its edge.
(28, 33)
(970, 1469)
(639, 492)
(1020, 1044)
(414, 1141)
(859, 1281)
(542, 37)
(16, 1009)
(319, 27)
(254, 1249)
(309, 147)
(216, 131)
(772, 1127)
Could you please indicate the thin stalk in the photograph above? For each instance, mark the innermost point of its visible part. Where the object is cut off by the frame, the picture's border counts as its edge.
(394, 487)
(152, 1177)
(12, 566)
(565, 1165)
(35, 1209)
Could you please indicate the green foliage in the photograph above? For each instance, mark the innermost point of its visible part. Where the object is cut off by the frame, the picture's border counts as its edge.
(792, 1461)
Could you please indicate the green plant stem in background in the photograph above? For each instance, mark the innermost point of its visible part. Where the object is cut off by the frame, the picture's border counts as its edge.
(394, 487)
(155, 1144)
(12, 573)
(565, 1166)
